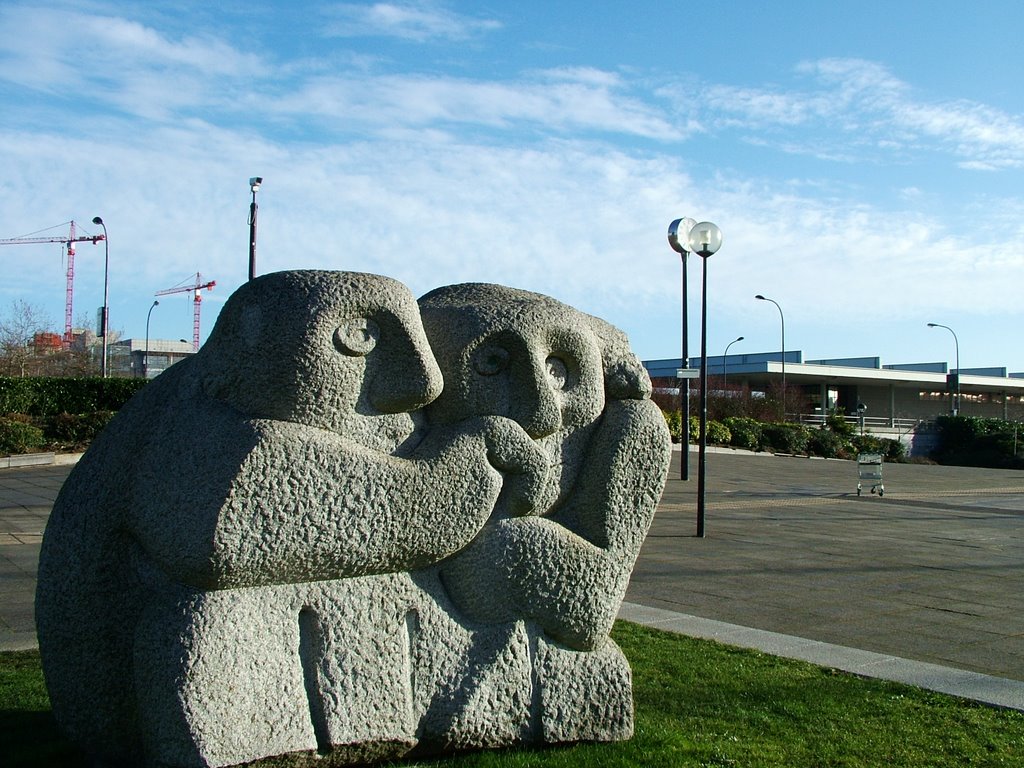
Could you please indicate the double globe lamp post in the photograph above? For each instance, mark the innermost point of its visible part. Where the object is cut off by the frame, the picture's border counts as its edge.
(703, 239)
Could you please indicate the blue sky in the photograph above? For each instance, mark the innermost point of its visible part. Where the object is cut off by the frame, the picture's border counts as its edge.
(863, 160)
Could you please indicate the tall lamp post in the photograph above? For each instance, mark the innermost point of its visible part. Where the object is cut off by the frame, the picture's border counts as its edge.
(705, 239)
(105, 316)
(254, 185)
(678, 232)
(145, 359)
(782, 317)
(725, 364)
(956, 343)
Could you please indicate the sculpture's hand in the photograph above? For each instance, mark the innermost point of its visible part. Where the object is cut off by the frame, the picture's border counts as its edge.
(625, 377)
(524, 466)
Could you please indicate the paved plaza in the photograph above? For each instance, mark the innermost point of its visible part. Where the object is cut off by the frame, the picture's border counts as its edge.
(924, 584)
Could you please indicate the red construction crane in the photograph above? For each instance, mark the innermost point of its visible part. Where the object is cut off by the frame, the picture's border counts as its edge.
(69, 241)
(197, 301)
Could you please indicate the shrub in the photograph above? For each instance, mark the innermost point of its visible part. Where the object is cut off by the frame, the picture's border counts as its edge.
(785, 437)
(78, 429)
(744, 432)
(19, 437)
(826, 443)
(974, 442)
(838, 424)
(694, 429)
(674, 420)
(892, 450)
(895, 450)
(718, 433)
(868, 444)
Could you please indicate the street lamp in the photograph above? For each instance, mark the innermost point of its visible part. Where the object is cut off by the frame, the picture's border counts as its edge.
(705, 239)
(254, 185)
(145, 359)
(105, 317)
(782, 317)
(725, 364)
(678, 232)
(956, 343)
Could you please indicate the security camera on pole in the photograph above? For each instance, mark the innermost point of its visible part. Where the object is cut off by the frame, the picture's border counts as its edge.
(254, 185)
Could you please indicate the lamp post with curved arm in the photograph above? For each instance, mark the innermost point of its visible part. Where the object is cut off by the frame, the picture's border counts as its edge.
(956, 344)
(725, 364)
(105, 316)
(145, 359)
(705, 239)
(782, 317)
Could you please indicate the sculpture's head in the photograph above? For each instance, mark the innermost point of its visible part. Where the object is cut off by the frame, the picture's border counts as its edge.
(343, 351)
(525, 356)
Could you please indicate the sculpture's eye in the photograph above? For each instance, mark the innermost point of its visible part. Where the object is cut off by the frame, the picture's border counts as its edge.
(557, 371)
(357, 337)
(490, 359)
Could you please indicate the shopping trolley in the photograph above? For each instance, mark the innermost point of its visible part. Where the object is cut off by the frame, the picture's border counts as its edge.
(869, 471)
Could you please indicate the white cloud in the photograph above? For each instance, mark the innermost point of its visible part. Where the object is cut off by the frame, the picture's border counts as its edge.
(124, 65)
(862, 102)
(417, 22)
(43, 45)
(416, 100)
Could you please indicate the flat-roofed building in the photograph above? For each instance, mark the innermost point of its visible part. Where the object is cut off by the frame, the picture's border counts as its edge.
(894, 395)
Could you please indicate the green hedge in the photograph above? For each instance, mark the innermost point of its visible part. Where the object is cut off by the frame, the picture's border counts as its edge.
(77, 428)
(46, 397)
(785, 437)
(974, 442)
(18, 437)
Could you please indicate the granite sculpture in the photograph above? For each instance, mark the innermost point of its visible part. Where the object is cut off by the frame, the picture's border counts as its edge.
(352, 527)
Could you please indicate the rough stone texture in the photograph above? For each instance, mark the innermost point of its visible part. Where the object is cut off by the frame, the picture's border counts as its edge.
(297, 542)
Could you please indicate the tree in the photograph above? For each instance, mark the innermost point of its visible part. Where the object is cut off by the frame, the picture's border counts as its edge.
(29, 348)
(19, 355)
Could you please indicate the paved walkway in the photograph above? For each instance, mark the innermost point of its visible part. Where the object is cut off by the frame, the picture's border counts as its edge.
(924, 585)
(933, 572)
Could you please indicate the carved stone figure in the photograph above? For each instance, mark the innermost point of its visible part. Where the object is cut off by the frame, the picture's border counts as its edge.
(271, 548)
(574, 386)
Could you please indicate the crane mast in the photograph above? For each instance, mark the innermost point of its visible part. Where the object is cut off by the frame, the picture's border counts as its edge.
(197, 287)
(69, 291)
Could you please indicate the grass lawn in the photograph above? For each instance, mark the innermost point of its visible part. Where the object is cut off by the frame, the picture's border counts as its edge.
(698, 703)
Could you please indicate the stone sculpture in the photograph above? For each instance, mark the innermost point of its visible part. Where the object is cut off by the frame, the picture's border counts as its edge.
(311, 540)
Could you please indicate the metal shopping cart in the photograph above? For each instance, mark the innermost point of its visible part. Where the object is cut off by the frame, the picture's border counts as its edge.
(869, 472)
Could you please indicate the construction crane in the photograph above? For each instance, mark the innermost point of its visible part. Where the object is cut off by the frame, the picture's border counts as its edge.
(69, 242)
(197, 302)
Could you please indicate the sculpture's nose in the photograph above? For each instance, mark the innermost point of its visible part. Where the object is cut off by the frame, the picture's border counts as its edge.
(538, 410)
(412, 380)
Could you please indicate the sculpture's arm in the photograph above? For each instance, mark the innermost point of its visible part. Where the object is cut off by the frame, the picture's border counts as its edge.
(622, 478)
(305, 505)
(570, 574)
